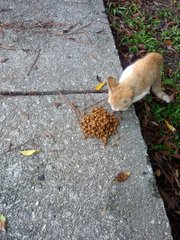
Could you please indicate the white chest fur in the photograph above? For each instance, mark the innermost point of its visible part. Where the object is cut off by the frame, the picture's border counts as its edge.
(139, 97)
(126, 73)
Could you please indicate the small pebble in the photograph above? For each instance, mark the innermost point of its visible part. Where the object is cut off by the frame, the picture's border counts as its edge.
(41, 177)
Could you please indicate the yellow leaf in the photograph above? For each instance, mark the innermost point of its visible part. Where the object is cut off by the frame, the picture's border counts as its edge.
(2, 223)
(168, 125)
(29, 152)
(100, 85)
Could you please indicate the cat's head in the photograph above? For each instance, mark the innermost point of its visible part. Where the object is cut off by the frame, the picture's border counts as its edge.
(120, 95)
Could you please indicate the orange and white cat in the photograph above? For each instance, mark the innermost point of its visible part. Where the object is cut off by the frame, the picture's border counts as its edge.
(136, 81)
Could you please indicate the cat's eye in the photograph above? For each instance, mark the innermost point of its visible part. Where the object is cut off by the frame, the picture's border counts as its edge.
(126, 100)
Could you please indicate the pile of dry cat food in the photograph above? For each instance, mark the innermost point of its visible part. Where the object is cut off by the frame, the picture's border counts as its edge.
(100, 124)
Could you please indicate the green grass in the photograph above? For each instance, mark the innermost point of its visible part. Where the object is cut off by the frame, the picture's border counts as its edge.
(147, 30)
(153, 33)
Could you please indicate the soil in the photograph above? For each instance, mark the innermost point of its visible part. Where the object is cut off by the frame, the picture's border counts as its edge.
(166, 166)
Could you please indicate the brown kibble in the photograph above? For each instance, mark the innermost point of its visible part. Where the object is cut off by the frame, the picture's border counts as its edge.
(100, 124)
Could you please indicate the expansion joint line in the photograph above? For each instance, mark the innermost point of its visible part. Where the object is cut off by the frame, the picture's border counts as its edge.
(46, 93)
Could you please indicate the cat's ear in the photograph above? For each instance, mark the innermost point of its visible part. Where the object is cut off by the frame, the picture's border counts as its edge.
(112, 83)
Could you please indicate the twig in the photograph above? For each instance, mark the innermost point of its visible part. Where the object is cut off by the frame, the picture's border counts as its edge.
(85, 26)
(137, 9)
(92, 105)
(89, 94)
(78, 2)
(39, 23)
(70, 28)
(34, 62)
(78, 114)
(21, 111)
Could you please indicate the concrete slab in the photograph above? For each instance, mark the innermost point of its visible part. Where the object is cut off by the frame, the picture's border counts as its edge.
(66, 191)
(74, 49)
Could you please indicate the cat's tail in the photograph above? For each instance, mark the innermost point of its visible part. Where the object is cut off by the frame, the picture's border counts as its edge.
(160, 93)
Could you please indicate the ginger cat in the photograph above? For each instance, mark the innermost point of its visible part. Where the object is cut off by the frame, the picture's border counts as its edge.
(136, 81)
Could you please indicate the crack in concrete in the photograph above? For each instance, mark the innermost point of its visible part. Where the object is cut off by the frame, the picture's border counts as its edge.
(45, 93)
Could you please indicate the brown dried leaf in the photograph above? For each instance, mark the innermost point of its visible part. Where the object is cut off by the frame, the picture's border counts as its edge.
(169, 42)
(1, 31)
(2, 223)
(177, 156)
(141, 46)
(170, 48)
(172, 96)
(6, 47)
(142, 53)
(127, 32)
(122, 176)
(3, 60)
(170, 202)
(171, 23)
(177, 172)
(158, 172)
(57, 104)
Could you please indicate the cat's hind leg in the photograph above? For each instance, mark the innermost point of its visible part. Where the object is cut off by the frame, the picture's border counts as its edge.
(157, 89)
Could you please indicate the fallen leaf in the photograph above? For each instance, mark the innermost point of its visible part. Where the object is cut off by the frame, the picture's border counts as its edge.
(100, 85)
(141, 46)
(122, 176)
(168, 125)
(29, 152)
(171, 23)
(158, 172)
(57, 104)
(3, 60)
(6, 47)
(177, 156)
(177, 212)
(128, 32)
(1, 31)
(172, 96)
(177, 172)
(2, 223)
(170, 48)
(141, 53)
(168, 42)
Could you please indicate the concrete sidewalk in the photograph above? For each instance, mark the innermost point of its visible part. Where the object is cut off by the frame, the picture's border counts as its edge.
(66, 191)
